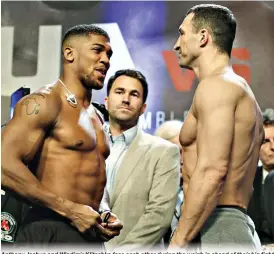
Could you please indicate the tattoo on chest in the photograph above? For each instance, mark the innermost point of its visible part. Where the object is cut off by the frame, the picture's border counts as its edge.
(32, 106)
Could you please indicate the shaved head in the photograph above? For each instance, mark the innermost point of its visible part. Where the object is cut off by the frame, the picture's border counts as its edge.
(81, 31)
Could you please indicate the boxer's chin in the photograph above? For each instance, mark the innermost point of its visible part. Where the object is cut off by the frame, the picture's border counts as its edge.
(184, 64)
(98, 84)
(92, 83)
(186, 67)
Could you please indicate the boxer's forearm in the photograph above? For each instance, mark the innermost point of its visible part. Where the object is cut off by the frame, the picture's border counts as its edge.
(202, 197)
(17, 177)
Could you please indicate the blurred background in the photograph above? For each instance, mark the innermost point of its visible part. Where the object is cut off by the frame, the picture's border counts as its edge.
(142, 36)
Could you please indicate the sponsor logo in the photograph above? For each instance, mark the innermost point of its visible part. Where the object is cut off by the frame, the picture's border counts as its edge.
(8, 227)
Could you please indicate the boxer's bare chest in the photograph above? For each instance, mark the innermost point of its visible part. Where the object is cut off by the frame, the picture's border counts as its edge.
(189, 131)
(188, 141)
(77, 129)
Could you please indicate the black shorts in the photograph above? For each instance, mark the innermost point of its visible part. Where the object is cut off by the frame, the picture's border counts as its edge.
(13, 210)
(44, 226)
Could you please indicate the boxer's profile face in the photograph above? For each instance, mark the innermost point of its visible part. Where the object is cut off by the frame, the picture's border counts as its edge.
(187, 44)
(125, 100)
(91, 55)
(267, 148)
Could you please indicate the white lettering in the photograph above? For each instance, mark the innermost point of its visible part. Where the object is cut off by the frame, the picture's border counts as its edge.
(145, 120)
(148, 122)
(160, 118)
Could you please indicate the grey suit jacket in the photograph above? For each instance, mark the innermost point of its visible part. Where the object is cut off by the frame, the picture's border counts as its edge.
(145, 192)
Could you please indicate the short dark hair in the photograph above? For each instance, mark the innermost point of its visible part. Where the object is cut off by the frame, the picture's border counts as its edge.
(133, 74)
(268, 117)
(219, 20)
(84, 30)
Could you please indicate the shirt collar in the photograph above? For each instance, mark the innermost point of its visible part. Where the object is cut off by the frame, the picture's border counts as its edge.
(127, 135)
(265, 173)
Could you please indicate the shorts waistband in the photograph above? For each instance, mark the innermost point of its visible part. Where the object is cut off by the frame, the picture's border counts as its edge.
(233, 206)
(44, 213)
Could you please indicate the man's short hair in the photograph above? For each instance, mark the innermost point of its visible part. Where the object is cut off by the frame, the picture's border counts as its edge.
(220, 22)
(133, 74)
(268, 117)
(169, 129)
(84, 30)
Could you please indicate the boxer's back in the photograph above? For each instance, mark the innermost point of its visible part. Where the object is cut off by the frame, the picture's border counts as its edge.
(247, 139)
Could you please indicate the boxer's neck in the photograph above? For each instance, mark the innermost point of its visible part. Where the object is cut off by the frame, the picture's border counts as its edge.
(76, 88)
(210, 63)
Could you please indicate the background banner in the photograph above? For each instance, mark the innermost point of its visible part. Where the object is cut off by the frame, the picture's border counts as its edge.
(142, 36)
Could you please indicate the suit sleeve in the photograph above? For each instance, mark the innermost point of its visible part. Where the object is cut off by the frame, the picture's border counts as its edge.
(269, 201)
(159, 210)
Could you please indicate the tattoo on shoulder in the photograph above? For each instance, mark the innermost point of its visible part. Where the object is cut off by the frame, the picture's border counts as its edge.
(31, 103)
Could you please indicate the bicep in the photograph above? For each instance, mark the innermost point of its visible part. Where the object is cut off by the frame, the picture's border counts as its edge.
(25, 132)
(21, 140)
(215, 132)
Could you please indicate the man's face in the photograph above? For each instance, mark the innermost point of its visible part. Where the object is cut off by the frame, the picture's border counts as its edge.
(125, 100)
(187, 45)
(93, 58)
(267, 148)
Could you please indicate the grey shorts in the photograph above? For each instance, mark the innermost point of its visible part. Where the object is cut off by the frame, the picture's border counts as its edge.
(229, 229)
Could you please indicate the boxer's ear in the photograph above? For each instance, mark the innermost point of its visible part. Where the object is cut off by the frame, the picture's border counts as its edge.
(69, 53)
(204, 37)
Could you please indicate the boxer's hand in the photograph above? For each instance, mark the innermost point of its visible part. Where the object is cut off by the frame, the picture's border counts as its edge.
(177, 242)
(268, 248)
(83, 217)
(111, 227)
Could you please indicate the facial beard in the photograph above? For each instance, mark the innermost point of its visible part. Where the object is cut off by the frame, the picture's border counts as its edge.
(90, 83)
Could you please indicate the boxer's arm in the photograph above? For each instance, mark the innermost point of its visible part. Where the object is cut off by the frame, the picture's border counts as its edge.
(21, 139)
(214, 109)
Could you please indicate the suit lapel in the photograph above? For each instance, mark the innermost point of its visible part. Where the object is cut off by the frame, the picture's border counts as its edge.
(258, 179)
(135, 152)
(258, 185)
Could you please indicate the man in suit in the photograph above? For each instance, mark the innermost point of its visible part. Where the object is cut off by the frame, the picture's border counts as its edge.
(261, 205)
(142, 170)
(269, 202)
(170, 130)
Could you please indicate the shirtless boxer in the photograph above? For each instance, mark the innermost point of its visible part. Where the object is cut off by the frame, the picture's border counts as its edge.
(221, 136)
(58, 135)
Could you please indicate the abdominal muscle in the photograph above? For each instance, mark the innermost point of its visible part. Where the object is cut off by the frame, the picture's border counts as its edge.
(78, 176)
(237, 188)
